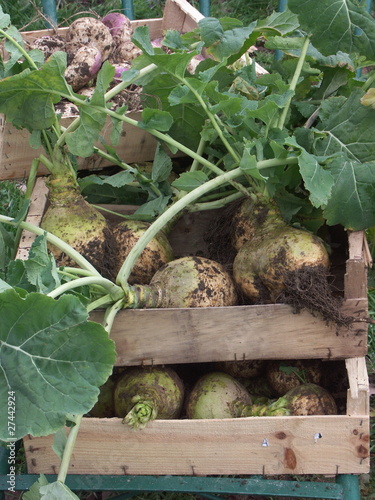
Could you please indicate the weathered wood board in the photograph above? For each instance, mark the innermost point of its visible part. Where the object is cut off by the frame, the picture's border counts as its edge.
(255, 445)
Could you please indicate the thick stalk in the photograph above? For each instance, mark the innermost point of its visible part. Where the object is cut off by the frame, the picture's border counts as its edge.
(293, 83)
(179, 206)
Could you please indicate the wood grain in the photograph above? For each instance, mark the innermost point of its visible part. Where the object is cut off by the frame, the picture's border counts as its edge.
(255, 445)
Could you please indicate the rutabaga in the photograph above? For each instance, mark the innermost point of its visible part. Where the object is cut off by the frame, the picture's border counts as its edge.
(143, 394)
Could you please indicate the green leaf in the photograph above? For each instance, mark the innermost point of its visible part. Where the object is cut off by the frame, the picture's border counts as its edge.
(53, 358)
(34, 491)
(36, 274)
(27, 99)
(162, 165)
(57, 491)
(342, 25)
(59, 441)
(220, 42)
(318, 181)
(190, 180)
(352, 202)
(248, 164)
(281, 23)
(156, 119)
(347, 127)
(4, 19)
(152, 208)
(92, 118)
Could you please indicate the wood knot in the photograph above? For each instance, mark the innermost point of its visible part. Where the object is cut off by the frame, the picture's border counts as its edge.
(290, 459)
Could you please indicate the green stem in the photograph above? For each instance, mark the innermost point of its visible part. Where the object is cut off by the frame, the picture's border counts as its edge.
(20, 48)
(102, 302)
(179, 206)
(54, 240)
(368, 82)
(293, 83)
(68, 450)
(111, 313)
(113, 290)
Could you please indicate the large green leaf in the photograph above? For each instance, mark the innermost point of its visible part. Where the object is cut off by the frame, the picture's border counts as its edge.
(52, 359)
(346, 126)
(342, 25)
(352, 202)
(27, 98)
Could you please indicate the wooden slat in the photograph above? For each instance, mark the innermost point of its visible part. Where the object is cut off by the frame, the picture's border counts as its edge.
(165, 336)
(256, 445)
(38, 202)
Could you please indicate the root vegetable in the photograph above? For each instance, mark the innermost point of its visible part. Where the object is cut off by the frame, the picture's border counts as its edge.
(243, 369)
(48, 44)
(274, 249)
(193, 282)
(286, 375)
(79, 224)
(308, 399)
(157, 253)
(88, 31)
(143, 394)
(217, 395)
(118, 24)
(84, 66)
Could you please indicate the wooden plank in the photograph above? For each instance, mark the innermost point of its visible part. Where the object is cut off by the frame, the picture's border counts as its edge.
(38, 202)
(272, 331)
(135, 145)
(255, 445)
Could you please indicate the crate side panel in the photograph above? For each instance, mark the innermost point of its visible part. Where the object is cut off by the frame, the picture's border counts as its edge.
(259, 445)
(135, 145)
(229, 333)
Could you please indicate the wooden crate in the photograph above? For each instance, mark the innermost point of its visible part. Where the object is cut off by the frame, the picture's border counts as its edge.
(256, 445)
(135, 145)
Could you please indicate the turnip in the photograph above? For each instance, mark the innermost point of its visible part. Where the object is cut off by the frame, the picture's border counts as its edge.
(307, 399)
(84, 66)
(272, 249)
(193, 282)
(217, 395)
(77, 223)
(118, 24)
(285, 375)
(242, 369)
(88, 31)
(157, 252)
(143, 394)
(48, 44)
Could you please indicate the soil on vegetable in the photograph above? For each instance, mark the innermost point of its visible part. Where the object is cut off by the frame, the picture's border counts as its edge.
(219, 236)
(102, 254)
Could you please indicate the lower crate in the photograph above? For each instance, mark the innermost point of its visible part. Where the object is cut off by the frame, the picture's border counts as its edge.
(255, 445)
